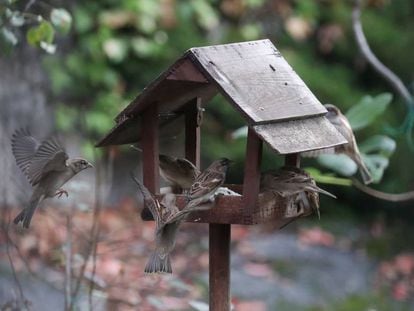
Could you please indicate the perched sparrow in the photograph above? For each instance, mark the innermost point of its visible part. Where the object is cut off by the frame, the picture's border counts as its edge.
(167, 223)
(180, 172)
(207, 183)
(290, 181)
(47, 167)
(341, 123)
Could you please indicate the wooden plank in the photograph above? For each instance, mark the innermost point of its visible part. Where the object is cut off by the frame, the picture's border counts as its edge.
(192, 131)
(173, 95)
(219, 267)
(150, 148)
(251, 181)
(292, 159)
(258, 81)
(300, 135)
(186, 71)
(229, 210)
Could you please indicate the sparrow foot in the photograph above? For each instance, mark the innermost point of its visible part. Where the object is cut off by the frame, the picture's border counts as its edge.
(60, 192)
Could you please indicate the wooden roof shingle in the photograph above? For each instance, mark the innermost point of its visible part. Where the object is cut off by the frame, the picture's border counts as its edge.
(255, 78)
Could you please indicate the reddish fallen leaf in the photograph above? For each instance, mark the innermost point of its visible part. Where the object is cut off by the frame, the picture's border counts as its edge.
(400, 291)
(316, 236)
(404, 263)
(258, 270)
(253, 305)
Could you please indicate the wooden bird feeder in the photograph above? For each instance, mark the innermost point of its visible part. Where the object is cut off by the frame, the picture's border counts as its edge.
(278, 107)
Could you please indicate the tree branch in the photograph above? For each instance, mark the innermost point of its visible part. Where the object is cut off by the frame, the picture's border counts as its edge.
(366, 51)
(400, 197)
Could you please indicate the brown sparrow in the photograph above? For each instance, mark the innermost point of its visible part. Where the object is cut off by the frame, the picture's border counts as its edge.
(350, 149)
(179, 172)
(290, 181)
(46, 165)
(167, 223)
(207, 183)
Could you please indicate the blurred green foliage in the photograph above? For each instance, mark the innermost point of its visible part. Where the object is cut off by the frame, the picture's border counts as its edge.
(115, 48)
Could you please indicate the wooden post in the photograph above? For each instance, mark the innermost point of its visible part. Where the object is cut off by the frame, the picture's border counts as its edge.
(219, 256)
(150, 153)
(251, 182)
(219, 234)
(292, 159)
(192, 131)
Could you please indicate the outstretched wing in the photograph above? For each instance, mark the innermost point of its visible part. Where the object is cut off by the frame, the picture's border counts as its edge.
(24, 147)
(50, 156)
(150, 202)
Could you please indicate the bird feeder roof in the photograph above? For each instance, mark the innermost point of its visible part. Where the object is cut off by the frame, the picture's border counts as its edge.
(255, 78)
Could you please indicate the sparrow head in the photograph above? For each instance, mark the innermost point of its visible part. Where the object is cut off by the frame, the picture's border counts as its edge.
(222, 164)
(166, 160)
(79, 164)
(333, 111)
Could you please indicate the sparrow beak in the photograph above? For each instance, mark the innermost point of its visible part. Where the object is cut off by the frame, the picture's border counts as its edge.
(90, 165)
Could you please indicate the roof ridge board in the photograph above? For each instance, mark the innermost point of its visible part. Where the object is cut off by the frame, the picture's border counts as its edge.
(234, 44)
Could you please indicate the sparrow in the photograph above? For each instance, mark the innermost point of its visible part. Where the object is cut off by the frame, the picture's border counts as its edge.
(167, 222)
(47, 167)
(341, 123)
(206, 184)
(290, 181)
(179, 172)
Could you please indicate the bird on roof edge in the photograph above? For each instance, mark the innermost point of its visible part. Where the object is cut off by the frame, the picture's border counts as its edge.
(46, 166)
(341, 123)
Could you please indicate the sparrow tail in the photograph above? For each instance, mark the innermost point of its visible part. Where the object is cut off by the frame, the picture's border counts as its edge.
(320, 190)
(25, 216)
(365, 174)
(158, 263)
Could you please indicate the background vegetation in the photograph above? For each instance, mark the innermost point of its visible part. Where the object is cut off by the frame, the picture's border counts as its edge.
(100, 54)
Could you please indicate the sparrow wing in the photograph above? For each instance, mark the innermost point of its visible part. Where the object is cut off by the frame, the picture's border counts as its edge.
(188, 167)
(205, 183)
(24, 147)
(150, 202)
(50, 156)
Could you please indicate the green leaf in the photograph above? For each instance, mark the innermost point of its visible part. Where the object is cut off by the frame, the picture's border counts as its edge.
(367, 110)
(17, 19)
(376, 164)
(61, 19)
(381, 144)
(49, 48)
(9, 36)
(338, 163)
(115, 49)
(327, 178)
(206, 15)
(44, 32)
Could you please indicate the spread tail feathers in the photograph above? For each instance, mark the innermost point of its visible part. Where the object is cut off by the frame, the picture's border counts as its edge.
(158, 263)
(25, 216)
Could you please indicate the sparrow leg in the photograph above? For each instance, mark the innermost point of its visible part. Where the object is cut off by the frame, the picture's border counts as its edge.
(60, 192)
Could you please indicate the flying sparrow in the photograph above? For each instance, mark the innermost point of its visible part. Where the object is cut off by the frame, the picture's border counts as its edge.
(341, 123)
(180, 172)
(167, 223)
(47, 167)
